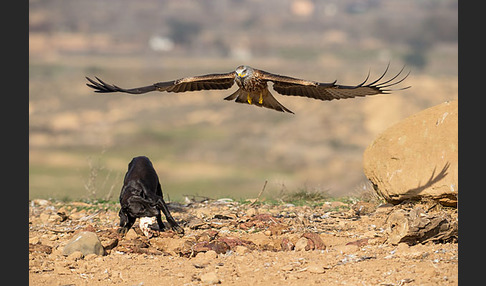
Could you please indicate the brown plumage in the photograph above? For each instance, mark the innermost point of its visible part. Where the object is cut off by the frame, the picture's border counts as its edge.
(253, 88)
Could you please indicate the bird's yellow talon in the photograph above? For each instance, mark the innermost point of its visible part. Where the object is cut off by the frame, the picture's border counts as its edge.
(248, 98)
(261, 98)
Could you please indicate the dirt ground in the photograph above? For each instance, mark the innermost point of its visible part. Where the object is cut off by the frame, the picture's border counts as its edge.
(235, 243)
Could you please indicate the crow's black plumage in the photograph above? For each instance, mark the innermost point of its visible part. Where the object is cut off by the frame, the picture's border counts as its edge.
(141, 196)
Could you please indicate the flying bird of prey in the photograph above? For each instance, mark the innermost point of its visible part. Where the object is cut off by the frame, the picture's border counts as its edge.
(253, 87)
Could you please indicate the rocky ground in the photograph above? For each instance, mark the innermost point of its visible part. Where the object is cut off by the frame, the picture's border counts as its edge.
(237, 243)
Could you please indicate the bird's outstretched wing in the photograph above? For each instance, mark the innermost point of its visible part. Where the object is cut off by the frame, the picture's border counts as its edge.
(328, 91)
(209, 81)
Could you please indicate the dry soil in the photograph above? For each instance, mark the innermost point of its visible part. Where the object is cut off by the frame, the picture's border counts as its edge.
(232, 243)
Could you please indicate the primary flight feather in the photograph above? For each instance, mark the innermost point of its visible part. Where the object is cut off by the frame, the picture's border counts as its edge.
(253, 87)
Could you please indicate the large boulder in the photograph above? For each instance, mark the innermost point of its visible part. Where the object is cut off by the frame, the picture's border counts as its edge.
(417, 157)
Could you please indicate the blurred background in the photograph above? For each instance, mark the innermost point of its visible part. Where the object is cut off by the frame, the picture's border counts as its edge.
(80, 142)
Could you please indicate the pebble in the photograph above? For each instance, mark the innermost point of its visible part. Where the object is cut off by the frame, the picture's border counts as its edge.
(402, 248)
(251, 212)
(76, 255)
(203, 213)
(34, 240)
(45, 218)
(41, 202)
(224, 200)
(240, 249)
(210, 254)
(210, 278)
(301, 244)
(315, 268)
(131, 234)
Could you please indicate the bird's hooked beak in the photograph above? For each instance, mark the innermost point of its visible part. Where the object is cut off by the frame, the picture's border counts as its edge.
(241, 72)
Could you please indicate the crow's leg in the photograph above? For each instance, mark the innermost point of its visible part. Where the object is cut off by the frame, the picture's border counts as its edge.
(173, 224)
(126, 222)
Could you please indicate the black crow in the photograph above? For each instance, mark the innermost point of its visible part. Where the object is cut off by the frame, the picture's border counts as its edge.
(141, 196)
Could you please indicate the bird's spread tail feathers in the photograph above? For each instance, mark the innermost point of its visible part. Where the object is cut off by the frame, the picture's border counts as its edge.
(259, 98)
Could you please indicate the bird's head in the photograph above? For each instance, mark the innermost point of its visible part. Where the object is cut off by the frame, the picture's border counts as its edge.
(244, 71)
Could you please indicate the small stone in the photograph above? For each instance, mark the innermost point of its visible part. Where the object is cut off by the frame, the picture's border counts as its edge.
(41, 202)
(301, 244)
(76, 255)
(219, 246)
(210, 254)
(86, 242)
(203, 213)
(208, 235)
(110, 243)
(224, 200)
(251, 212)
(287, 267)
(38, 247)
(286, 244)
(314, 241)
(210, 278)
(131, 234)
(240, 249)
(402, 247)
(34, 240)
(45, 217)
(197, 223)
(315, 268)
(363, 208)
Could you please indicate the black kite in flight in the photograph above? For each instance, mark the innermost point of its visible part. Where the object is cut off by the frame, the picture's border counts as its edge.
(253, 88)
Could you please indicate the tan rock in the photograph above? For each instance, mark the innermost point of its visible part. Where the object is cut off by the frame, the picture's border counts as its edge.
(209, 255)
(241, 250)
(210, 278)
(76, 255)
(316, 268)
(251, 212)
(417, 157)
(86, 242)
(301, 244)
(131, 234)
